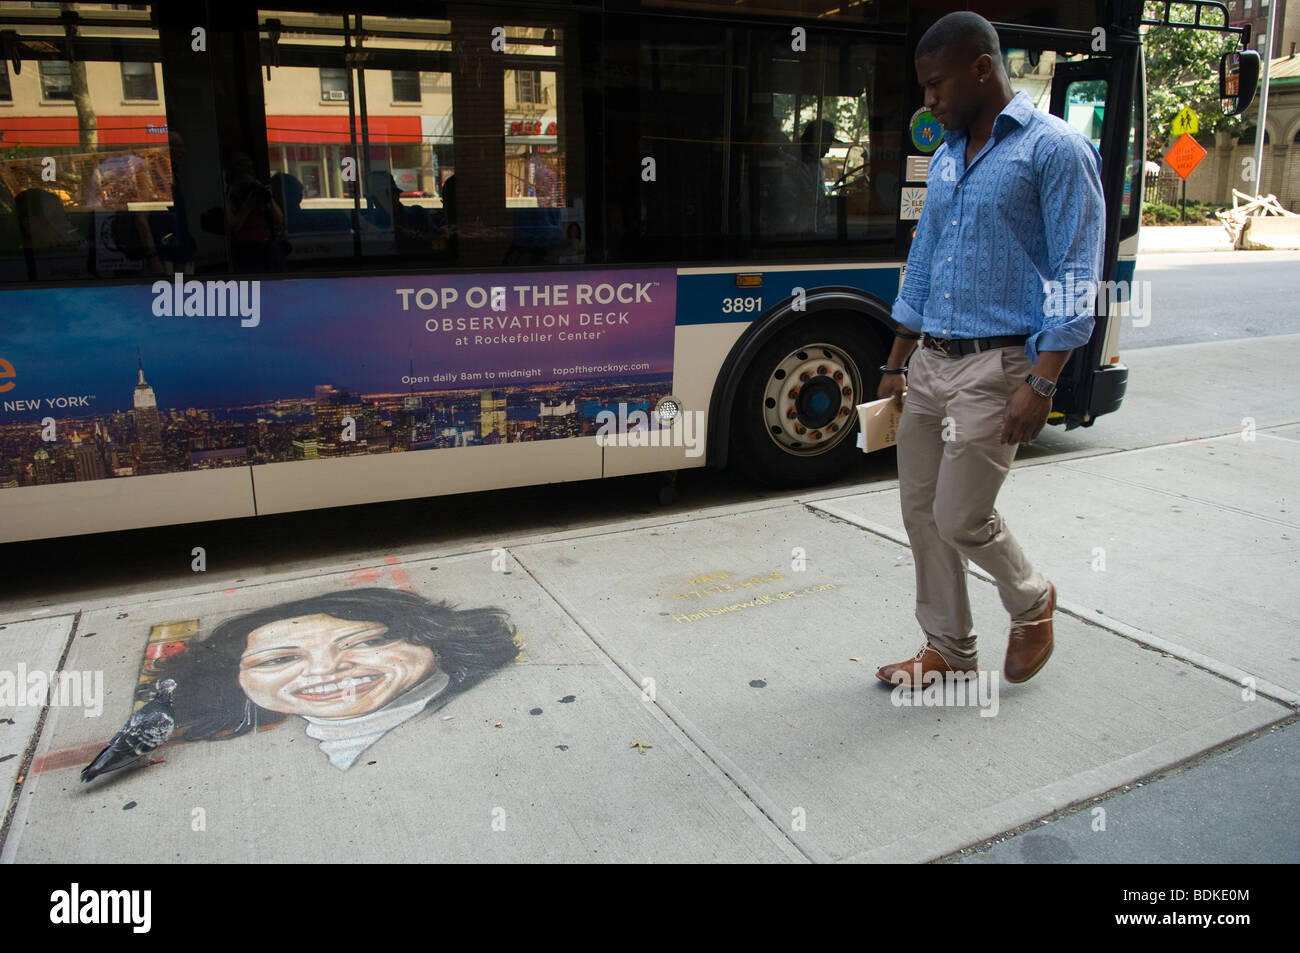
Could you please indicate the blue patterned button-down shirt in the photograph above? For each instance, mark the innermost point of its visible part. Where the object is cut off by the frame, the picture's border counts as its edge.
(1012, 243)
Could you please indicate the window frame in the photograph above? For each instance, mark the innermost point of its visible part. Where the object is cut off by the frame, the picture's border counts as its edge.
(42, 68)
(534, 85)
(419, 93)
(347, 92)
(153, 75)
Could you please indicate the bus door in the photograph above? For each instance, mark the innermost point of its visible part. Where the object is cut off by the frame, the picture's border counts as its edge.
(1081, 89)
(1087, 93)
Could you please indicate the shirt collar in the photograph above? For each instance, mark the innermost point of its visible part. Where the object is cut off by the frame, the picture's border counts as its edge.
(1018, 112)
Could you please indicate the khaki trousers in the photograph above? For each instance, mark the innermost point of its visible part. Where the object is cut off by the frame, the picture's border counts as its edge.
(951, 465)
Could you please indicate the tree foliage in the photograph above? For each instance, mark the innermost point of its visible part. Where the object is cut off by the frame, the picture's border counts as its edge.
(1183, 70)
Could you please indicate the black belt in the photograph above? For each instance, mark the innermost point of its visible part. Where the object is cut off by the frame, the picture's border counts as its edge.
(960, 347)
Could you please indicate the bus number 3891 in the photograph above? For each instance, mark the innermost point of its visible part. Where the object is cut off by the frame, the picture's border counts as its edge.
(736, 305)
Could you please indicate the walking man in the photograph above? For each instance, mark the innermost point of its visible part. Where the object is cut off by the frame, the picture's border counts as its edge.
(1013, 210)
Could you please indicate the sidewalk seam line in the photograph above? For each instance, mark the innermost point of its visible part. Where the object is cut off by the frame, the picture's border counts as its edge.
(29, 754)
(1115, 626)
(1226, 507)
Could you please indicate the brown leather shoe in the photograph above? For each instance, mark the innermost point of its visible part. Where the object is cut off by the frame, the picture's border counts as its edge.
(1030, 645)
(913, 671)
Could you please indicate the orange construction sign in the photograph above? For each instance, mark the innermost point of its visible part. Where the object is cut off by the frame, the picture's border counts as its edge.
(1185, 155)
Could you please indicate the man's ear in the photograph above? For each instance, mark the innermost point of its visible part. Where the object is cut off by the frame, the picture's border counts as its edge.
(983, 67)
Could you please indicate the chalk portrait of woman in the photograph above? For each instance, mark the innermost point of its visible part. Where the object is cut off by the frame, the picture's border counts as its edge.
(353, 664)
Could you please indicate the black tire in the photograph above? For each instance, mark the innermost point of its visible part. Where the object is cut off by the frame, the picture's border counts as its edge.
(827, 445)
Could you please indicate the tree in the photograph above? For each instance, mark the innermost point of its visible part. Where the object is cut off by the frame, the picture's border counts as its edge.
(87, 121)
(1183, 70)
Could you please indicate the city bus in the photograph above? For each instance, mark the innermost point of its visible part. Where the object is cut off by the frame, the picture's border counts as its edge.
(262, 259)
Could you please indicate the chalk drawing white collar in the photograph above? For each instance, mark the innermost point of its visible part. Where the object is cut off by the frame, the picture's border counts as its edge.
(343, 739)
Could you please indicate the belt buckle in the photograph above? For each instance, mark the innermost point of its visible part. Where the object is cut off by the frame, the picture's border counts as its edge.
(939, 345)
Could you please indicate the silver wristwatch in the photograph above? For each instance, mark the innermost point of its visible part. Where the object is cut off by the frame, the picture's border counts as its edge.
(1041, 385)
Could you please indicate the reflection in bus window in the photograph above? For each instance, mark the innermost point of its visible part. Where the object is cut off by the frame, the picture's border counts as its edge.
(751, 143)
(1085, 108)
(254, 219)
(366, 159)
(56, 80)
(358, 156)
(1033, 71)
(536, 189)
(90, 175)
(139, 81)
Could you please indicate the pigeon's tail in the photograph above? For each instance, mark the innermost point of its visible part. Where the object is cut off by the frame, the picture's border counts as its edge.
(101, 764)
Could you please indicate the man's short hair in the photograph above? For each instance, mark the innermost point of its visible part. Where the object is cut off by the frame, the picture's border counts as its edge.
(966, 34)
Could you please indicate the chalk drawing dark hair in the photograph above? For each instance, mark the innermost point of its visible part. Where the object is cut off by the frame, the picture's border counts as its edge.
(468, 644)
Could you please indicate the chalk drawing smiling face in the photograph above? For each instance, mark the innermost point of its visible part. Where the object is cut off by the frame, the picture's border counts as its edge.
(325, 667)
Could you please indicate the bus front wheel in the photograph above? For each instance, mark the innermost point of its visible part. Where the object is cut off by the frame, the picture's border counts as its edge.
(794, 421)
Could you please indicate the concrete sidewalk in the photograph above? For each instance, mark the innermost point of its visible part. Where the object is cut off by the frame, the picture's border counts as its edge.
(1265, 233)
(1183, 238)
(737, 645)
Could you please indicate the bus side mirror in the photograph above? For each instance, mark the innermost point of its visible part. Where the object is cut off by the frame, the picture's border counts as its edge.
(1238, 79)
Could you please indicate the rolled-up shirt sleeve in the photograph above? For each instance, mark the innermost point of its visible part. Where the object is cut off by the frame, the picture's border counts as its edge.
(1074, 218)
(909, 306)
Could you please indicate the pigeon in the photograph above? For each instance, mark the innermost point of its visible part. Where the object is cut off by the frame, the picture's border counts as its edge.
(145, 730)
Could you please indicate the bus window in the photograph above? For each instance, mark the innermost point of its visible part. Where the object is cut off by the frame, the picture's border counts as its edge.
(1030, 72)
(871, 13)
(749, 144)
(548, 223)
(1085, 108)
(1081, 15)
(1134, 158)
(1084, 102)
(357, 158)
(407, 162)
(1077, 15)
(91, 175)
